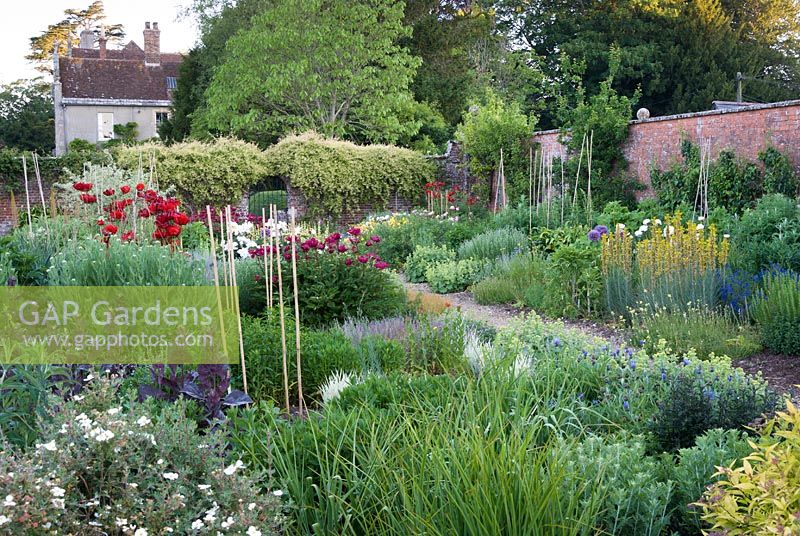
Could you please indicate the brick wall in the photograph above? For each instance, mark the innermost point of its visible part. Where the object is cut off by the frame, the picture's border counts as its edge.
(747, 131)
(6, 220)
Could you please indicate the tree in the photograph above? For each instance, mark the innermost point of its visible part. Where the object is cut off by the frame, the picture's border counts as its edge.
(682, 54)
(331, 65)
(26, 116)
(68, 30)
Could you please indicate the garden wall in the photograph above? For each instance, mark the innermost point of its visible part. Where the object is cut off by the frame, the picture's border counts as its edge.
(6, 220)
(747, 131)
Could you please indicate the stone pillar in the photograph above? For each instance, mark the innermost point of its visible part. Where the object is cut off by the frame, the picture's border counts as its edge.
(58, 108)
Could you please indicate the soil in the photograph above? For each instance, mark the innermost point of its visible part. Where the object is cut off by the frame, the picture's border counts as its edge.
(782, 372)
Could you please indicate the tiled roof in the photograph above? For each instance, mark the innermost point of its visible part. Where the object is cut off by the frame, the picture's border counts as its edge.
(121, 75)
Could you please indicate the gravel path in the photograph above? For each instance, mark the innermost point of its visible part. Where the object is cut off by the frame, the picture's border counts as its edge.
(499, 316)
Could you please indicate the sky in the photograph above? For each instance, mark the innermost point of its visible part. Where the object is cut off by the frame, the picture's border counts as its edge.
(24, 19)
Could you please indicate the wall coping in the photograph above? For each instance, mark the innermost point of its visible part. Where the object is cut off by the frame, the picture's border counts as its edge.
(75, 101)
(690, 115)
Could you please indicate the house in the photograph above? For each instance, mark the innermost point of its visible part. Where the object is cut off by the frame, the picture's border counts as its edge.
(95, 88)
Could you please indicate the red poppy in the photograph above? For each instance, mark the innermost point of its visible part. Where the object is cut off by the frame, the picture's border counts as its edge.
(110, 229)
(173, 230)
(381, 265)
(82, 186)
(342, 248)
(125, 189)
(108, 192)
(88, 198)
(144, 213)
(101, 221)
(181, 218)
(127, 237)
(116, 215)
(363, 259)
(348, 261)
(354, 231)
(139, 187)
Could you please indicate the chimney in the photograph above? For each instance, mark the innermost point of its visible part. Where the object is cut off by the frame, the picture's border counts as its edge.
(87, 39)
(102, 42)
(152, 44)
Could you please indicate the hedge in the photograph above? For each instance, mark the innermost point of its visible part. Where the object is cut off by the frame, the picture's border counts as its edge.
(334, 173)
(11, 172)
(214, 173)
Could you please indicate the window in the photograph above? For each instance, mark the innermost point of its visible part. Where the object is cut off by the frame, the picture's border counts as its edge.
(172, 82)
(105, 126)
(161, 117)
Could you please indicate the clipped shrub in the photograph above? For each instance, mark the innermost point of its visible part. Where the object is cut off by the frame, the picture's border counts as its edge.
(776, 311)
(105, 465)
(455, 276)
(424, 257)
(493, 244)
(762, 496)
(203, 173)
(768, 234)
(333, 173)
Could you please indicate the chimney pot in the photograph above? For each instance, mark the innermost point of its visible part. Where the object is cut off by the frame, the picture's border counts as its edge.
(87, 39)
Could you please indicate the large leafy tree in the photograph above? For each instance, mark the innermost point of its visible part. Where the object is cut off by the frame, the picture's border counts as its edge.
(26, 116)
(681, 53)
(332, 65)
(68, 31)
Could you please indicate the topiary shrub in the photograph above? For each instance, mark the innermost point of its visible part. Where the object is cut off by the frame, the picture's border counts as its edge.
(204, 173)
(333, 174)
(493, 244)
(423, 258)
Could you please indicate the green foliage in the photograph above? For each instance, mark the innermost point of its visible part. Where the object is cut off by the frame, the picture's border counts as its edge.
(764, 492)
(98, 457)
(195, 237)
(124, 134)
(779, 174)
(424, 257)
(776, 311)
(336, 67)
(696, 468)
(490, 245)
(89, 262)
(699, 328)
(214, 173)
(548, 241)
(691, 405)
(574, 282)
(601, 120)
(511, 281)
(26, 116)
(262, 200)
(455, 276)
(496, 125)
(768, 234)
(334, 175)
(323, 352)
(26, 400)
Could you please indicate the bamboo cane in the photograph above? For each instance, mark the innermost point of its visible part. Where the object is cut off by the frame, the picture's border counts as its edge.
(300, 401)
(530, 190)
(589, 184)
(238, 314)
(578, 173)
(39, 183)
(264, 241)
(283, 323)
(213, 248)
(27, 195)
(273, 216)
(53, 207)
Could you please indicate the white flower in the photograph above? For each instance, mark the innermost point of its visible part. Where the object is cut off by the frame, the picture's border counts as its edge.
(646, 221)
(58, 503)
(251, 506)
(701, 218)
(726, 236)
(337, 382)
(50, 445)
(120, 522)
(700, 226)
(232, 468)
(170, 476)
(143, 420)
(203, 487)
(227, 523)
(140, 532)
(658, 222)
(638, 233)
(252, 531)
(114, 411)
(100, 435)
(197, 524)
(278, 492)
(9, 501)
(160, 461)
(57, 492)
(4, 520)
